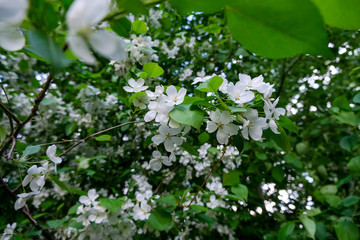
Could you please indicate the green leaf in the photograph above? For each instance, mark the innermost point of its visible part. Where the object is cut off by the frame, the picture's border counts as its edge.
(285, 122)
(45, 47)
(356, 98)
(29, 150)
(241, 191)
(277, 28)
(349, 142)
(70, 128)
(2, 134)
(73, 209)
(188, 114)
(238, 141)
(210, 85)
(60, 183)
(329, 189)
(205, 6)
(168, 200)
(199, 207)
(55, 223)
(293, 160)
(347, 118)
(205, 218)
(278, 173)
(349, 201)
(282, 139)
(340, 13)
(286, 230)
(203, 137)
(135, 95)
(121, 27)
(237, 109)
(342, 103)
(346, 230)
(133, 6)
(354, 166)
(153, 70)
(112, 204)
(231, 178)
(321, 232)
(309, 225)
(103, 138)
(139, 26)
(160, 220)
(313, 212)
(189, 148)
(344, 180)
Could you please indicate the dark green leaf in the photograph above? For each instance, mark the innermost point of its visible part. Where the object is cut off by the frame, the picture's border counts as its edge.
(349, 201)
(160, 220)
(203, 137)
(205, 6)
(121, 27)
(356, 98)
(354, 166)
(168, 200)
(240, 191)
(282, 139)
(285, 230)
(278, 173)
(349, 142)
(346, 230)
(238, 141)
(231, 178)
(285, 122)
(309, 225)
(2, 134)
(189, 148)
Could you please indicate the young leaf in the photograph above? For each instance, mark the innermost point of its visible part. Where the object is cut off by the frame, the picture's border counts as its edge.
(346, 230)
(188, 114)
(103, 138)
(139, 26)
(240, 191)
(29, 150)
(160, 220)
(309, 225)
(210, 85)
(231, 178)
(113, 204)
(121, 27)
(285, 122)
(153, 70)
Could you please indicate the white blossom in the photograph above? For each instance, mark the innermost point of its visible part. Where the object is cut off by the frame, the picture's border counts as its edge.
(141, 101)
(135, 86)
(253, 84)
(12, 13)
(90, 198)
(8, 232)
(21, 201)
(35, 177)
(158, 160)
(273, 113)
(173, 96)
(80, 17)
(221, 121)
(239, 94)
(158, 110)
(50, 152)
(254, 125)
(142, 211)
(168, 137)
(159, 90)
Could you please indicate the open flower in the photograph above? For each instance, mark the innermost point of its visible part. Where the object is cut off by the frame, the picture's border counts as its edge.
(80, 17)
(239, 94)
(12, 13)
(168, 137)
(159, 110)
(135, 86)
(35, 177)
(173, 96)
(90, 198)
(221, 121)
(273, 113)
(158, 160)
(21, 201)
(254, 125)
(141, 212)
(50, 152)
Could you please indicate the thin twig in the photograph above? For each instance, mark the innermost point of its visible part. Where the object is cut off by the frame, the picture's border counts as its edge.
(12, 148)
(9, 113)
(284, 73)
(93, 135)
(208, 176)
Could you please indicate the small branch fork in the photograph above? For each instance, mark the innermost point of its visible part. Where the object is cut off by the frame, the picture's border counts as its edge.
(208, 176)
(285, 72)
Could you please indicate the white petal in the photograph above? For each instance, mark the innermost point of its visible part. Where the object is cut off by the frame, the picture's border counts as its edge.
(149, 116)
(171, 91)
(11, 39)
(156, 165)
(157, 139)
(175, 131)
(215, 116)
(166, 161)
(225, 117)
(231, 129)
(34, 186)
(20, 202)
(108, 44)
(81, 49)
(256, 133)
(211, 126)
(13, 12)
(26, 180)
(169, 145)
(244, 78)
(164, 130)
(156, 154)
(128, 89)
(245, 133)
(176, 140)
(51, 151)
(222, 136)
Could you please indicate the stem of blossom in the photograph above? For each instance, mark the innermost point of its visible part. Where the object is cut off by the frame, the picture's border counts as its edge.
(12, 148)
(211, 171)
(93, 135)
(222, 102)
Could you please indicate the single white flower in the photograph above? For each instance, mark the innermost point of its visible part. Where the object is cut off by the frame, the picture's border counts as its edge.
(254, 125)
(8, 232)
(143, 196)
(135, 86)
(173, 96)
(141, 212)
(159, 90)
(12, 13)
(257, 83)
(97, 214)
(158, 160)
(21, 201)
(273, 113)
(168, 137)
(221, 121)
(80, 18)
(50, 152)
(239, 94)
(201, 77)
(90, 198)
(35, 177)
(159, 110)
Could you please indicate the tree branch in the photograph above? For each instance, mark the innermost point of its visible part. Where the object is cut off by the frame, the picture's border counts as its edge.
(208, 176)
(284, 73)
(93, 135)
